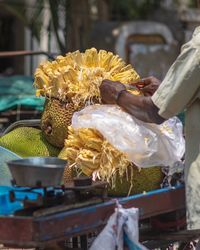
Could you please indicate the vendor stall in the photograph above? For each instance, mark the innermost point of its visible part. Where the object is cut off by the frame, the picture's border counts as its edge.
(112, 160)
(49, 227)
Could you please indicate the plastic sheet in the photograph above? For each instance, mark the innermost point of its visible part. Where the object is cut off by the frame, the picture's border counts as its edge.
(145, 144)
(18, 90)
(5, 175)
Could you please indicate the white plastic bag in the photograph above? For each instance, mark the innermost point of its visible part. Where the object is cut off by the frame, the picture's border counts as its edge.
(122, 227)
(145, 144)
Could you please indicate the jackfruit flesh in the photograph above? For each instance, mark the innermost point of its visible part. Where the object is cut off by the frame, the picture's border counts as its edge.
(70, 83)
(77, 76)
(74, 81)
(27, 142)
(91, 155)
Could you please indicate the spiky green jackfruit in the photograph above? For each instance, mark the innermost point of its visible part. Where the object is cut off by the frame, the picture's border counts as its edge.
(27, 142)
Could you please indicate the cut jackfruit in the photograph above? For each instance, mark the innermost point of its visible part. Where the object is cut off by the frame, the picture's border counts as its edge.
(77, 76)
(90, 154)
(72, 82)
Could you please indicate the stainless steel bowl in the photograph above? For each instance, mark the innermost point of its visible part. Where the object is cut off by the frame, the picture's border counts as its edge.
(37, 171)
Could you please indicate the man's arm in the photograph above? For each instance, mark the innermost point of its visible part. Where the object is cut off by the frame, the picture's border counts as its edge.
(141, 107)
(176, 92)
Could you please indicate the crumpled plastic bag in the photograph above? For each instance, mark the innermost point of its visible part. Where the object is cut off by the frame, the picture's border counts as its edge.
(145, 144)
(122, 228)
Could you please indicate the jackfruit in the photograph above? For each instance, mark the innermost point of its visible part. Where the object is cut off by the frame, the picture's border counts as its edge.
(70, 83)
(76, 77)
(88, 153)
(74, 80)
(136, 181)
(27, 142)
(56, 118)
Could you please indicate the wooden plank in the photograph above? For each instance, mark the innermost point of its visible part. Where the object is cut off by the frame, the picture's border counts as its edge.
(16, 230)
(66, 224)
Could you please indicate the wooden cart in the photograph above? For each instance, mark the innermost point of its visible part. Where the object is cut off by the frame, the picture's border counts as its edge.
(53, 231)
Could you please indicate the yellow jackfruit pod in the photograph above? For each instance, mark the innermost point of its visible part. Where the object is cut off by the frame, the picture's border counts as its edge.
(70, 154)
(79, 75)
(88, 158)
(42, 79)
(87, 171)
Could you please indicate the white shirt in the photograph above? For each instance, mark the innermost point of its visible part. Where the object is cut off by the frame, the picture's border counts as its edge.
(180, 90)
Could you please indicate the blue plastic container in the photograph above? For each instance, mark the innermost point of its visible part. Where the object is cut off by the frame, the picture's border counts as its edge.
(7, 207)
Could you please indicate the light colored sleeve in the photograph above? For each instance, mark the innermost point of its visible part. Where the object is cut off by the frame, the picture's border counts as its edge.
(181, 82)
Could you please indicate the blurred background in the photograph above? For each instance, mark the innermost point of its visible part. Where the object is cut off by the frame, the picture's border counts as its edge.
(146, 33)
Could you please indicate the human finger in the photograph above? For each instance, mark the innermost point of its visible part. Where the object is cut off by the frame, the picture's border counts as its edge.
(139, 82)
(149, 80)
(149, 89)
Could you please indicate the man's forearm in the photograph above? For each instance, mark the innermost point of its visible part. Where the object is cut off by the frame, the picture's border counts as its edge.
(141, 107)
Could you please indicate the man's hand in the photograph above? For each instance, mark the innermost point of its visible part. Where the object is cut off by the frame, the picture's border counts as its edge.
(141, 107)
(148, 85)
(109, 91)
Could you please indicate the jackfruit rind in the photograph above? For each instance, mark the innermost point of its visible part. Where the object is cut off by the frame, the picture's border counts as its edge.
(56, 118)
(136, 181)
(77, 76)
(27, 142)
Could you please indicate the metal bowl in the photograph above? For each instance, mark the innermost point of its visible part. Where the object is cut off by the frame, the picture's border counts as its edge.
(37, 171)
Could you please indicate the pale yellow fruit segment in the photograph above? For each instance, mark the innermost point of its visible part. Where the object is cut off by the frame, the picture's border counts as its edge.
(92, 153)
(77, 76)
